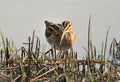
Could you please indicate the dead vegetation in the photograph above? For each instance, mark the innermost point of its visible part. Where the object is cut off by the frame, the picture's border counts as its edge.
(31, 63)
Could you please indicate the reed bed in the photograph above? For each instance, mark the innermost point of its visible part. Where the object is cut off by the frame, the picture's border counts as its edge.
(32, 63)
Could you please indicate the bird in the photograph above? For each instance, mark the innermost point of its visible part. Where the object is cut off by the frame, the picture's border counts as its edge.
(60, 35)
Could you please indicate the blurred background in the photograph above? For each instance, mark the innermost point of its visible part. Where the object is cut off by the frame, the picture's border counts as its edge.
(18, 19)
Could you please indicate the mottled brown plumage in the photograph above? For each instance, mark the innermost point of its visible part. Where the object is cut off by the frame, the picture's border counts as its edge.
(60, 35)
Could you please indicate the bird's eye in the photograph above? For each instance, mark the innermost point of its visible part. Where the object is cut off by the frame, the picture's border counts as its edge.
(69, 25)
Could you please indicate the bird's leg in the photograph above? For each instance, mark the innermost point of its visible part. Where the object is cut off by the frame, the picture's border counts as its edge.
(54, 51)
(71, 52)
(61, 54)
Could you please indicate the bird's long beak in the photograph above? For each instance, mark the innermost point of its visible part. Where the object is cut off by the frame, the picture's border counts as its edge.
(64, 32)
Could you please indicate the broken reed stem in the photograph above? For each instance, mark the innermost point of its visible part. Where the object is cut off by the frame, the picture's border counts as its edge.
(85, 62)
(32, 74)
(32, 80)
(7, 52)
(1, 55)
(37, 48)
(32, 42)
(60, 62)
(29, 60)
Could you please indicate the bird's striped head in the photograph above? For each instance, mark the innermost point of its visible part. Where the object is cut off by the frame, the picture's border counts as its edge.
(66, 24)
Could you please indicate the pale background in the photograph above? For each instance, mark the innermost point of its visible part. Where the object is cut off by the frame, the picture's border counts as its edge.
(18, 18)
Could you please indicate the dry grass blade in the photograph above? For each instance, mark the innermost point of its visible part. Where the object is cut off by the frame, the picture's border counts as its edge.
(89, 45)
(89, 42)
(33, 64)
(106, 42)
(3, 39)
(32, 80)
